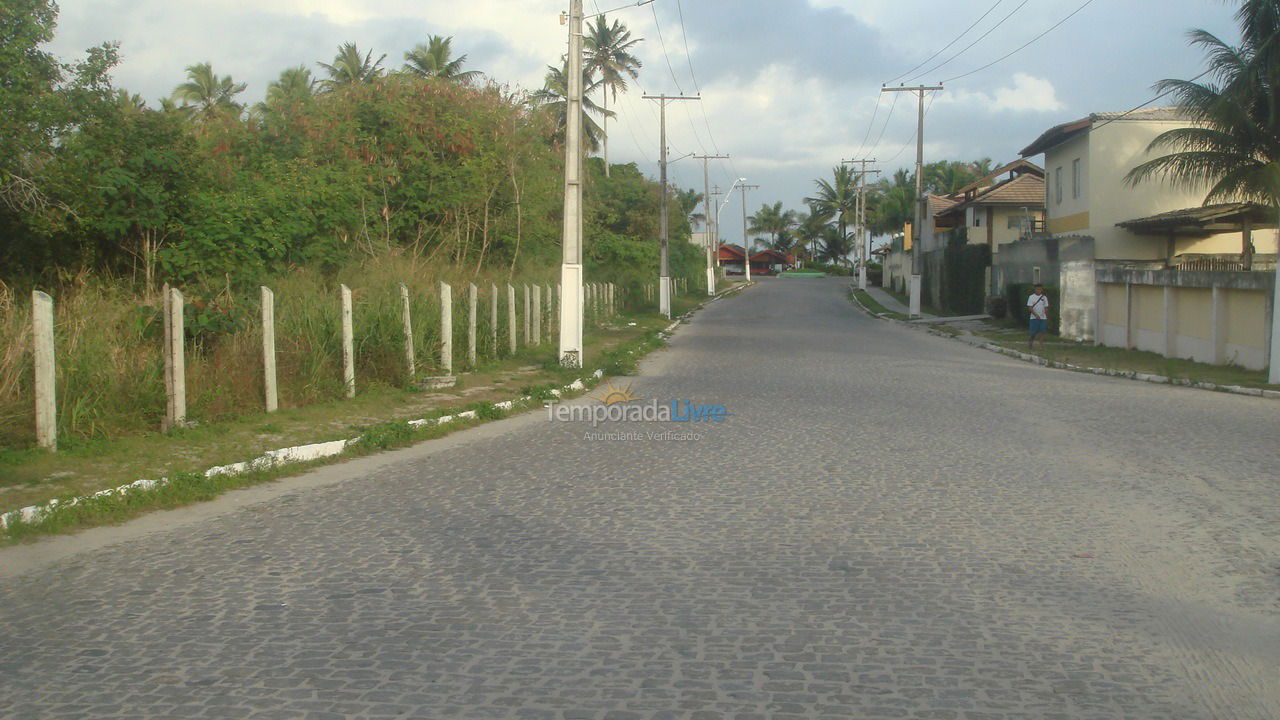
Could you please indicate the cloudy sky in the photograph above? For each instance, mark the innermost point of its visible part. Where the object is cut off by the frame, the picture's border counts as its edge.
(789, 87)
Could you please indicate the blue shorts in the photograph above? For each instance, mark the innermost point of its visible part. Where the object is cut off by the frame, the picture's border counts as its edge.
(1039, 326)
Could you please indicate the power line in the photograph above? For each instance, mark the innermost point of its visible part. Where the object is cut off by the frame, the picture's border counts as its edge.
(970, 45)
(1130, 111)
(1024, 45)
(657, 25)
(953, 42)
(871, 125)
(884, 127)
(688, 58)
(913, 132)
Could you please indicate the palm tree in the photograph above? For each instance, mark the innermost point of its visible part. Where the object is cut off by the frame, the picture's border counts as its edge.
(294, 84)
(810, 230)
(892, 204)
(434, 59)
(837, 199)
(1234, 146)
(349, 68)
(553, 98)
(773, 221)
(608, 53)
(835, 247)
(206, 94)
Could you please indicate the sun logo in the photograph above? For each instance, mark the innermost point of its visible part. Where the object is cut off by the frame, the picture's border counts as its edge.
(611, 394)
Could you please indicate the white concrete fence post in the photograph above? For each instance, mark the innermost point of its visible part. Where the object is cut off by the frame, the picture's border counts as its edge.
(175, 364)
(551, 314)
(511, 318)
(528, 314)
(406, 318)
(42, 349)
(348, 345)
(270, 396)
(536, 323)
(472, 306)
(446, 328)
(493, 319)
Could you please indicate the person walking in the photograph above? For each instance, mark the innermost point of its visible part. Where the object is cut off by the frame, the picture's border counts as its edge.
(1038, 314)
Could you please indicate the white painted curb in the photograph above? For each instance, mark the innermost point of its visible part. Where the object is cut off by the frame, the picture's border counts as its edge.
(271, 459)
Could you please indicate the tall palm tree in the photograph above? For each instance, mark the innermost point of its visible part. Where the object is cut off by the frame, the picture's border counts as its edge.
(553, 98)
(773, 221)
(1234, 145)
(349, 68)
(608, 54)
(206, 94)
(837, 199)
(435, 59)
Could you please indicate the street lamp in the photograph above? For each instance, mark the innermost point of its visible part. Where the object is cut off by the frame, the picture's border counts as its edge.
(728, 196)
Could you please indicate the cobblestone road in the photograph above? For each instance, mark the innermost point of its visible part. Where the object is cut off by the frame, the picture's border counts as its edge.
(890, 525)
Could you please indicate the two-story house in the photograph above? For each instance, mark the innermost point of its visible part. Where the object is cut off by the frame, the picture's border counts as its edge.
(1086, 194)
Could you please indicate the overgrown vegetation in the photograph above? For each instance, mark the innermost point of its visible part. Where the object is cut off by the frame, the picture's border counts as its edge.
(367, 177)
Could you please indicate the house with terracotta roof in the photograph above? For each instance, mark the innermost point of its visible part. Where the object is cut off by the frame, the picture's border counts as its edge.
(1000, 208)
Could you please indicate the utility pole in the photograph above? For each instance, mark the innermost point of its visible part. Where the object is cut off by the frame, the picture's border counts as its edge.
(746, 247)
(921, 201)
(710, 220)
(571, 262)
(716, 193)
(861, 217)
(664, 270)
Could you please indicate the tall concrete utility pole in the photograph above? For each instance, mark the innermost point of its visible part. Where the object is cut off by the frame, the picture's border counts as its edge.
(711, 231)
(860, 217)
(746, 249)
(570, 350)
(664, 270)
(917, 227)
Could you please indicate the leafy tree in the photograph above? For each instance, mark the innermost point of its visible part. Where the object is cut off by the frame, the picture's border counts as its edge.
(208, 95)
(435, 59)
(553, 99)
(349, 68)
(608, 53)
(1234, 145)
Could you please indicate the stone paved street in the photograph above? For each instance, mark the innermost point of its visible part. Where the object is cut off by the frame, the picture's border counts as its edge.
(890, 525)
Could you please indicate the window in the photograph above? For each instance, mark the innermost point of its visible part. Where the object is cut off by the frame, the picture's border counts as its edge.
(1035, 275)
(1075, 178)
(1057, 186)
(977, 216)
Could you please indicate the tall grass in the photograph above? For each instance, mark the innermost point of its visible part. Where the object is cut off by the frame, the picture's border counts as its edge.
(108, 337)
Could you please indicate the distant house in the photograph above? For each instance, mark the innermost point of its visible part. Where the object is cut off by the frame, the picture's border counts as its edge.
(998, 211)
(765, 262)
(731, 258)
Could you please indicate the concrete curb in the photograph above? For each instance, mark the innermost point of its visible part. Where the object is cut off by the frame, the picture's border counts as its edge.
(1044, 362)
(282, 457)
(279, 457)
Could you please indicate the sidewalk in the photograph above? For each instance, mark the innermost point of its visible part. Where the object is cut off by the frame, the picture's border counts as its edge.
(891, 303)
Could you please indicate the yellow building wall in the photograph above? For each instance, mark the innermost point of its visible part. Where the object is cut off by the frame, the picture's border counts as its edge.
(1114, 150)
(1264, 241)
